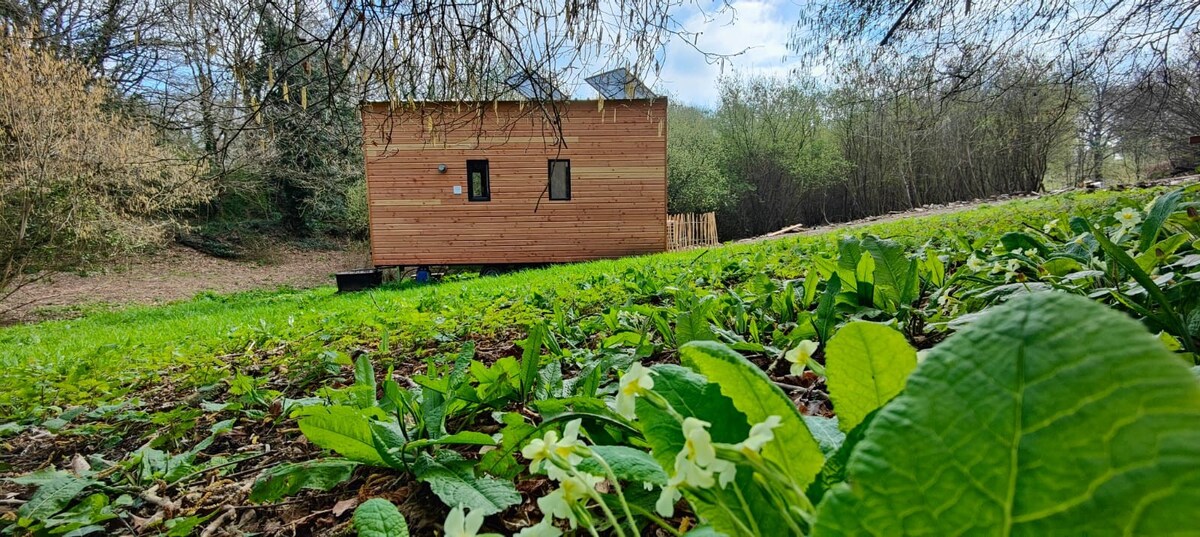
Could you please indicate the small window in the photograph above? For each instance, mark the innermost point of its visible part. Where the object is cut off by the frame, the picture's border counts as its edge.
(478, 187)
(560, 180)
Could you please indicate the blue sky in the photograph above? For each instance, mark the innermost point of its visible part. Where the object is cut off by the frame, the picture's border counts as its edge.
(758, 27)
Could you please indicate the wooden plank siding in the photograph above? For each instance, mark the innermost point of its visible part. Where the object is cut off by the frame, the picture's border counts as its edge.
(618, 205)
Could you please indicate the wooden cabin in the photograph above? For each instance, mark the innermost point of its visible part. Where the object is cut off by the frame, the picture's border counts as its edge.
(500, 183)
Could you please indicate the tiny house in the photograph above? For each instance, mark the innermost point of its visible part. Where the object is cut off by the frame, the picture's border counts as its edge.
(515, 182)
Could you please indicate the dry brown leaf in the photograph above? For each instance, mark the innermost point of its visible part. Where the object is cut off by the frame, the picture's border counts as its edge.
(344, 505)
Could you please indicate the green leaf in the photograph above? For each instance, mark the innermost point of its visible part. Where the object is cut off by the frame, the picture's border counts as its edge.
(834, 470)
(1030, 422)
(289, 478)
(461, 438)
(531, 359)
(343, 430)
(453, 479)
(1014, 240)
(377, 517)
(1061, 266)
(389, 442)
(826, 432)
(693, 324)
(433, 412)
(362, 392)
(627, 463)
(501, 462)
(1158, 253)
(1172, 320)
(752, 392)
(691, 395)
(52, 496)
(895, 274)
(811, 279)
(1156, 217)
(866, 365)
(934, 268)
(826, 317)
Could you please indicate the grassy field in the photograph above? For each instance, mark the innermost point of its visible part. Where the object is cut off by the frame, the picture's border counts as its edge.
(205, 381)
(104, 356)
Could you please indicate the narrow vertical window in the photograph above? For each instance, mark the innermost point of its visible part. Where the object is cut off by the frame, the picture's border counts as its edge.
(478, 187)
(560, 179)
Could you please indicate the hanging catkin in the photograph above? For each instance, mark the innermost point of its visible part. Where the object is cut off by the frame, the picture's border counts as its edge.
(304, 97)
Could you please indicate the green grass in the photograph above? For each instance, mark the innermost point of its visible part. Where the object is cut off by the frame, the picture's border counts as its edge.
(103, 357)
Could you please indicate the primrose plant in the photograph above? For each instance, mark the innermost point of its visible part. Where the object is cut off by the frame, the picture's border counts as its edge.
(747, 463)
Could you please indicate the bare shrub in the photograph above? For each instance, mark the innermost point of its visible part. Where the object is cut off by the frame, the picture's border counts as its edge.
(80, 183)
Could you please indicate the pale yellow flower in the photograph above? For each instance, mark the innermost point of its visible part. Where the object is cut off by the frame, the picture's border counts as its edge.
(800, 355)
(665, 506)
(974, 264)
(633, 384)
(1128, 217)
(760, 434)
(697, 462)
(459, 525)
(539, 450)
(571, 489)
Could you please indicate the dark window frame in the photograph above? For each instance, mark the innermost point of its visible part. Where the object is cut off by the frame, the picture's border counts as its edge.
(550, 178)
(473, 166)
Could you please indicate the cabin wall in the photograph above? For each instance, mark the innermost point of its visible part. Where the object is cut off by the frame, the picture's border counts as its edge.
(618, 204)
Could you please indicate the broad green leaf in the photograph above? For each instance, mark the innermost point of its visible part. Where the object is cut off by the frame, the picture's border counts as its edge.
(88, 511)
(1051, 415)
(289, 478)
(849, 262)
(895, 274)
(343, 430)
(531, 359)
(864, 278)
(691, 395)
(1158, 214)
(627, 463)
(811, 279)
(1014, 240)
(693, 325)
(1170, 318)
(866, 365)
(433, 412)
(52, 496)
(1158, 253)
(833, 472)
(934, 268)
(377, 517)
(1061, 266)
(500, 461)
(752, 392)
(389, 442)
(453, 479)
(825, 318)
(826, 432)
(461, 438)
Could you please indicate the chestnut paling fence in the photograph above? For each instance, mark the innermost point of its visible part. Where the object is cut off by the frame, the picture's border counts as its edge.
(691, 230)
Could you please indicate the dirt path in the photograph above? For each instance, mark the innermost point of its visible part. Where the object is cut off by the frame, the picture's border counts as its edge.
(176, 273)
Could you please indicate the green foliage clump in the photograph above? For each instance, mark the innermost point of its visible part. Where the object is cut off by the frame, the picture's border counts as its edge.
(821, 385)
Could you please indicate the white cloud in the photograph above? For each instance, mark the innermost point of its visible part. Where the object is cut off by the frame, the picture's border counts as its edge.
(753, 32)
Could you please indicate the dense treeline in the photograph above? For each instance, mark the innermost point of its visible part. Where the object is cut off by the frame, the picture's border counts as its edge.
(778, 152)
